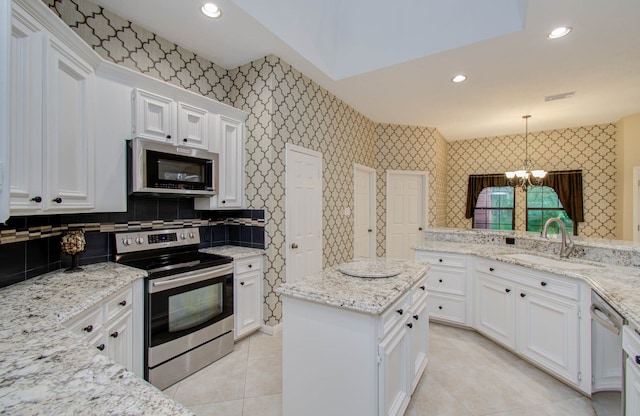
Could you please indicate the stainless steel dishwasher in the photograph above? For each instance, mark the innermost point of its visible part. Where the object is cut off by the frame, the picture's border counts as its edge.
(607, 362)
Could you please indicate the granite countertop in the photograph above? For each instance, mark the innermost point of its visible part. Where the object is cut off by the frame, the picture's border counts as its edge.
(45, 369)
(368, 295)
(618, 285)
(233, 251)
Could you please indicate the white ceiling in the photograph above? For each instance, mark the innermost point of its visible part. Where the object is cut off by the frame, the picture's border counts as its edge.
(395, 66)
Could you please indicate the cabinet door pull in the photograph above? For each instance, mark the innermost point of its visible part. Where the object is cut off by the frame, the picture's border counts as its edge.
(440, 307)
(543, 284)
(241, 283)
(57, 200)
(37, 199)
(114, 335)
(439, 260)
(168, 136)
(637, 359)
(185, 140)
(400, 311)
(491, 269)
(507, 290)
(410, 325)
(88, 328)
(440, 280)
(250, 266)
(100, 347)
(415, 317)
(522, 295)
(423, 287)
(123, 303)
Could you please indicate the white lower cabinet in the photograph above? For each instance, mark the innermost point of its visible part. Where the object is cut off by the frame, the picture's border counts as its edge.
(247, 293)
(449, 291)
(536, 315)
(631, 346)
(342, 362)
(114, 326)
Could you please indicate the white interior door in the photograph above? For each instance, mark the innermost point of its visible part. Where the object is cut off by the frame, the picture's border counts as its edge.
(406, 212)
(304, 212)
(364, 213)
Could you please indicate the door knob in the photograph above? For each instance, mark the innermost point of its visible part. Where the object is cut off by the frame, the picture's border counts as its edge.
(419, 228)
(294, 246)
(369, 230)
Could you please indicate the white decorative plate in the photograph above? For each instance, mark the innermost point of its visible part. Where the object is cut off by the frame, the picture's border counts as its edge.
(369, 268)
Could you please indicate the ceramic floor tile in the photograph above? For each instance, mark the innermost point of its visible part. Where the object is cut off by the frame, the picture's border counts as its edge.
(432, 399)
(263, 406)
(171, 390)
(580, 406)
(264, 377)
(265, 346)
(230, 408)
(523, 411)
(221, 381)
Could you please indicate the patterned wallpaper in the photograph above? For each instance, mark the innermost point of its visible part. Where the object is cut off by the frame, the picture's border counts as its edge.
(127, 44)
(414, 149)
(591, 148)
(287, 107)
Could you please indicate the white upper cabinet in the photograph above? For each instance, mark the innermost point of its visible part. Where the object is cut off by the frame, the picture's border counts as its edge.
(229, 144)
(193, 126)
(68, 130)
(169, 121)
(52, 131)
(154, 117)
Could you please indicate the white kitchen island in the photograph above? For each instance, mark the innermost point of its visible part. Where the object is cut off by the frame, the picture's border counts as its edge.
(353, 345)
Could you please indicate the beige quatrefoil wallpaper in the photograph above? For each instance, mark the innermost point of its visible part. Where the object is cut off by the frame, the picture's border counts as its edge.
(287, 107)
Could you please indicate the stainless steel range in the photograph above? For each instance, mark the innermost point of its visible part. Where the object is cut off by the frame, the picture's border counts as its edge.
(188, 301)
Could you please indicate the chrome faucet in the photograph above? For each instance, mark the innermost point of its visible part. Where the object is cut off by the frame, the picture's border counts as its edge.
(567, 247)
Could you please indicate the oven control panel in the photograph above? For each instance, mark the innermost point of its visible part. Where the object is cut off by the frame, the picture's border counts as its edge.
(147, 240)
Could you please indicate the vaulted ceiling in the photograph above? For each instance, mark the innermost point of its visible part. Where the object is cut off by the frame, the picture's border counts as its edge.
(393, 61)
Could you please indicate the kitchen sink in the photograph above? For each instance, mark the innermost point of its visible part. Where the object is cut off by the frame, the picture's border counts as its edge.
(549, 262)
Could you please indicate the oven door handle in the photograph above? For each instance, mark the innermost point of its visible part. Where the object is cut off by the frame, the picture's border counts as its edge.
(206, 274)
(606, 323)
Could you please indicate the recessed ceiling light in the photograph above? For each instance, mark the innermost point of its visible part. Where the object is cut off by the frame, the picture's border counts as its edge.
(559, 32)
(459, 78)
(210, 10)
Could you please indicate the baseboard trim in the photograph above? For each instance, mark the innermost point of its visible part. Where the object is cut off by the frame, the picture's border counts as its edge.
(271, 330)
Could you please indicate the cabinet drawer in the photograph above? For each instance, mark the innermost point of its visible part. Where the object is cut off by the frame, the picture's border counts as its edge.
(440, 259)
(89, 324)
(248, 264)
(451, 308)
(419, 291)
(548, 283)
(119, 302)
(447, 280)
(395, 314)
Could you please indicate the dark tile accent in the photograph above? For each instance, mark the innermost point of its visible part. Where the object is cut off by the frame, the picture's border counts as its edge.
(234, 234)
(54, 251)
(31, 273)
(13, 259)
(37, 253)
(119, 217)
(245, 234)
(205, 236)
(257, 214)
(168, 209)
(11, 279)
(17, 223)
(145, 209)
(97, 245)
(258, 237)
(38, 221)
(219, 234)
(185, 208)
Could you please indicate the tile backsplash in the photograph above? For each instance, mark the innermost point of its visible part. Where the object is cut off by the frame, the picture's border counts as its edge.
(30, 245)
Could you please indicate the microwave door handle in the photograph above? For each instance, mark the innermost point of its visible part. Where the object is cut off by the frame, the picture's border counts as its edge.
(181, 281)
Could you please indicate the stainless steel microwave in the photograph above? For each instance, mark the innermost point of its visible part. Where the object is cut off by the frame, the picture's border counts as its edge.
(160, 168)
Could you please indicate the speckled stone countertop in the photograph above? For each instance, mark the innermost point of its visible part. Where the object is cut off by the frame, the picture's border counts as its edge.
(233, 251)
(368, 295)
(618, 285)
(47, 370)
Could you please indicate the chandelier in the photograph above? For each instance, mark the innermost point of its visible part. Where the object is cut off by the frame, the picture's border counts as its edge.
(526, 176)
